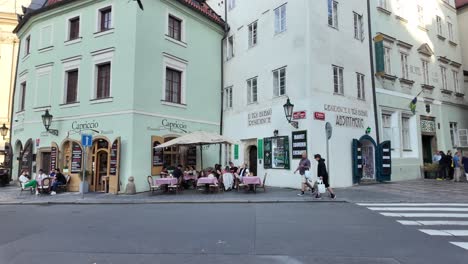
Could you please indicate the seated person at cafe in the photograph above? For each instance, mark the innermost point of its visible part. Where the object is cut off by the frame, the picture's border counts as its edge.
(177, 173)
(41, 175)
(52, 174)
(164, 173)
(217, 171)
(232, 168)
(59, 180)
(26, 182)
(241, 172)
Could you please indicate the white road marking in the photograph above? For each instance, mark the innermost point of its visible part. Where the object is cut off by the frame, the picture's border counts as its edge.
(436, 223)
(457, 232)
(413, 204)
(411, 223)
(442, 215)
(463, 245)
(435, 232)
(442, 209)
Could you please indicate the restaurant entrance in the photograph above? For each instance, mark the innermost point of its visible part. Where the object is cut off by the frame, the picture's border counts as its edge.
(99, 166)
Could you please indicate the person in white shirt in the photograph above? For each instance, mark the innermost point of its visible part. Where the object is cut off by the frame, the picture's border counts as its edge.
(41, 175)
(26, 182)
(241, 172)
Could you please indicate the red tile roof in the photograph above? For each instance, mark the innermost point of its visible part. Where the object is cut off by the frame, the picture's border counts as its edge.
(198, 5)
(461, 3)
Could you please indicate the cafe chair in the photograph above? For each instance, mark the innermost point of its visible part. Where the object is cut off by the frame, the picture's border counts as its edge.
(151, 185)
(263, 183)
(174, 188)
(214, 187)
(30, 189)
(44, 188)
(64, 187)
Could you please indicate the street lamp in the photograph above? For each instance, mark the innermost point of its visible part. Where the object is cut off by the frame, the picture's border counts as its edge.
(47, 121)
(288, 112)
(3, 131)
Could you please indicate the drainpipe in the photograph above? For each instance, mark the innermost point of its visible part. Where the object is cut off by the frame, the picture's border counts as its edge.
(226, 30)
(374, 94)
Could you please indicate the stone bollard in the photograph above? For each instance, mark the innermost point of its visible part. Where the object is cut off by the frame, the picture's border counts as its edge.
(130, 189)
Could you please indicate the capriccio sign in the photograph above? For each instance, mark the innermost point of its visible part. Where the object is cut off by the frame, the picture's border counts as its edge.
(85, 125)
(174, 126)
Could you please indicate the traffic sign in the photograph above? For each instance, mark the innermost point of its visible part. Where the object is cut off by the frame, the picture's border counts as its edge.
(86, 140)
(328, 129)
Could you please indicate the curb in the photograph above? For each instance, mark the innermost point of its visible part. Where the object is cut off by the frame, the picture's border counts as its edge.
(81, 202)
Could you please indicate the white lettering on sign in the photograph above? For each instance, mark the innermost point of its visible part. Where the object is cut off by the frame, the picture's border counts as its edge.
(300, 145)
(300, 136)
(259, 117)
(346, 110)
(349, 121)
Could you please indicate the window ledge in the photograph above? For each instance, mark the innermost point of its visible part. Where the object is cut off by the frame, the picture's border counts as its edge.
(41, 108)
(423, 28)
(333, 27)
(406, 81)
(72, 41)
(26, 57)
(253, 103)
(445, 91)
(163, 102)
(280, 33)
(383, 10)
(459, 94)
(102, 33)
(340, 94)
(402, 19)
(173, 40)
(407, 150)
(427, 87)
(101, 100)
(20, 112)
(45, 49)
(69, 105)
(441, 37)
(389, 77)
(451, 42)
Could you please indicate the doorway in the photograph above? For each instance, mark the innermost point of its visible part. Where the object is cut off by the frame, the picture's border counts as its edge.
(45, 162)
(427, 142)
(253, 160)
(100, 163)
(368, 160)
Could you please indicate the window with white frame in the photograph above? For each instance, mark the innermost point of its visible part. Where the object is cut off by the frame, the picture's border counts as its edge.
(71, 89)
(252, 90)
(425, 71)
(443, 76)
(231, 4)
(338, 84)
(279, 81)
(230, 47)
(105, 18)
(450, 31)
(333, 13)
(387, 60)
(420, 16)
(102, 87)
(404, 65)
(27, 46)
(360, 86)
(453, 133)
(456, 84)
(174, 27)
(387, 131)
(383, 4)
(46, 34)
(173, 86)
(174, 81)
(405, 132)
(358, 27)
(439, 26)
(280, 19)
(228, 97)
(253, 34)
(74, 28)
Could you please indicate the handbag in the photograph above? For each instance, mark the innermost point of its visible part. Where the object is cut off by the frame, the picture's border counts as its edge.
(321, 186)
(307, 174)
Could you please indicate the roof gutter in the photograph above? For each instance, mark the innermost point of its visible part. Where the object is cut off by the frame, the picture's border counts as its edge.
(374, 93)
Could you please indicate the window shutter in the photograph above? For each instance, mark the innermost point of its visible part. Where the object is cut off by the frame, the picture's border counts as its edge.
(463, 138)
(267, 153)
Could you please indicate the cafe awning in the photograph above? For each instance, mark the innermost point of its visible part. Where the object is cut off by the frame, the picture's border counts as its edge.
(197, 139)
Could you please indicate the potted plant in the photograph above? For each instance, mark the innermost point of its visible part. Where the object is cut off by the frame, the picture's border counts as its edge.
(431, 170)
(84, 185)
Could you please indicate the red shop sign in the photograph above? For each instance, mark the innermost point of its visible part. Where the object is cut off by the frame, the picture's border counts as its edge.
(299, 115)
(319, 115)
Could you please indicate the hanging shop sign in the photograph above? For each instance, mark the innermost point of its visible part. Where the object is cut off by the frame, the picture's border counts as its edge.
(299, 115)
(319, 116)
(299, 143)
(77, 158)
(259, 117)
(53, 157)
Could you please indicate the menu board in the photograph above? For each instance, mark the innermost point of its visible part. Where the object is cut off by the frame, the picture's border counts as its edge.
(157, 154)
(77, 158)
(114, 157)
(53, 158)
(192, 156)
(299, 143)
(7, 160)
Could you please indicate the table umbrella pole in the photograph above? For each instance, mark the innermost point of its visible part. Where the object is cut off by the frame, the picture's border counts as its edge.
(201, 156)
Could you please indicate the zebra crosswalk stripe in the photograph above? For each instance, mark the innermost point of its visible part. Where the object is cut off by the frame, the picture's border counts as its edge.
(437, 217)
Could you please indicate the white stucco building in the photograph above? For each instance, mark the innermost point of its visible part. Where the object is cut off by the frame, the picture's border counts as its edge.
(316, 53)
(462, 8)
(420, 57)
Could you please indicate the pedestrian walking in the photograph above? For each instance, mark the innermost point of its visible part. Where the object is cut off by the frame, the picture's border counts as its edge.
(457, 160)
(443, 166)
(304, 166)
(451, 168)
(465, 165)
(323, 175)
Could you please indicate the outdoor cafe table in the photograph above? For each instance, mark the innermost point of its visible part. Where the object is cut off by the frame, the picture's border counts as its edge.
(207, 181)
(166, 182)
(188, 177)
(252, 181)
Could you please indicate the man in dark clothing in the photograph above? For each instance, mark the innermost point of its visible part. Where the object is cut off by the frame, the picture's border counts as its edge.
(450, 168)
(59, 180)
(465, 166)
(323, 175)
(443, 166)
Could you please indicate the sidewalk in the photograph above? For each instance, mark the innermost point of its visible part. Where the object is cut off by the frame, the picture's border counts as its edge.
(421, 191)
